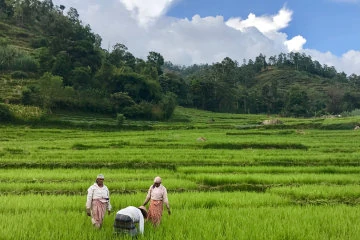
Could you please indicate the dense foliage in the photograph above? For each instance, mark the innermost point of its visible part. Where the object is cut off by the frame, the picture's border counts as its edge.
(72, 71)
(51, 46)
(289, 84)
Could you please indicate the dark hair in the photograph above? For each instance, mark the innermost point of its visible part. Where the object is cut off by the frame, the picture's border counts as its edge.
(144, 213)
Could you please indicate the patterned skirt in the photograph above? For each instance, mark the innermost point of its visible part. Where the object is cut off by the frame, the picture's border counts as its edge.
(155, 212)
(98, 212)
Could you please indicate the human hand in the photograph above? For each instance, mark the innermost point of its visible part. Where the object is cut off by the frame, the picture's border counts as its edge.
(88, 212)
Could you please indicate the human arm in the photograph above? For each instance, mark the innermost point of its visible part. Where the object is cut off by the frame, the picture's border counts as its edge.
(89, 200)
(109, 207)
(148, 196)
(166, 200)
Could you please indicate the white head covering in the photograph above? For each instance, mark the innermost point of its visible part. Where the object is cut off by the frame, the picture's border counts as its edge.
(100, 176)
(157, 179)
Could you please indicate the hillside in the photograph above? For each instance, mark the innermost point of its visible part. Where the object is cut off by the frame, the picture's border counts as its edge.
(52, 61)
(19, 37)
(288, 77)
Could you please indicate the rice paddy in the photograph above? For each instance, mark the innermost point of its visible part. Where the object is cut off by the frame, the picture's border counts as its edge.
(231, 179)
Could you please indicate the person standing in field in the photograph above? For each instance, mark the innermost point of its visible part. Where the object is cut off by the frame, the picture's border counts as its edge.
(158, 195)
(126, 218)
(98, 201)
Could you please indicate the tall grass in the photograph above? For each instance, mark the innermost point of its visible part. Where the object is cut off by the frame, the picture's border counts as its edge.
(208, 216)
(292, 183)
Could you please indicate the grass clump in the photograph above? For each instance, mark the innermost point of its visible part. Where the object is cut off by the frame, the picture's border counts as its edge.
(255, 145)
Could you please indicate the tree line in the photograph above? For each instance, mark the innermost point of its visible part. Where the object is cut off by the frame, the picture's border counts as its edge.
(73, 72)
(290, 84)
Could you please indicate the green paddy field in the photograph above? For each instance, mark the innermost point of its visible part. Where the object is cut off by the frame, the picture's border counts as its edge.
(228, 176)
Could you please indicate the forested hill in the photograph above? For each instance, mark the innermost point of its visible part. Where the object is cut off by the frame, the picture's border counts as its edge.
(51, 60)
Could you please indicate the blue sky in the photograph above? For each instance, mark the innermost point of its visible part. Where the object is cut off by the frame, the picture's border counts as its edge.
(328, 25)
(189, 32)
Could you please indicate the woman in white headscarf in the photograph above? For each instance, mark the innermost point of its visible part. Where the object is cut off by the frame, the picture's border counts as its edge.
(98, 201)
(158, 195)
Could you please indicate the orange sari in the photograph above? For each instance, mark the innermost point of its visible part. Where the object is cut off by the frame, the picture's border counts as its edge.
(155, 212)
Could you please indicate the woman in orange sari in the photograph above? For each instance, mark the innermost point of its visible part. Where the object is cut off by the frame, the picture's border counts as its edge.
(158, 195)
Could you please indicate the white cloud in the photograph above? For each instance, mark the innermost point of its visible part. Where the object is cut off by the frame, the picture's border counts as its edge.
(349, 62)
(295, 44)
(199, 39)
(147, 11)
(264, 24)
(208, 40)
(270, 26)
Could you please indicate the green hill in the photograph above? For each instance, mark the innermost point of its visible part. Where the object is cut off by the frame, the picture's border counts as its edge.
(50, 60)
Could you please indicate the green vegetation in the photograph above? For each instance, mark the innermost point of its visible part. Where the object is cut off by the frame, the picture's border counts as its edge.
(276, 182)
(50, 59)
(70, 110)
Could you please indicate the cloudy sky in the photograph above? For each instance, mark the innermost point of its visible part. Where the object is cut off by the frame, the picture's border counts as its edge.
(188, 32)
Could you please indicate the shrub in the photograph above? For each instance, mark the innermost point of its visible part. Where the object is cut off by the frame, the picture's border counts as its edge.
(168, 104)
(120, 119)
(121, 100)
(38, 42)
(133, 111)
(7, 56)
(19, 75)
(355, 112)
(5, 113)
(26, 113)
(26, 63)
(157, 113)
(139, 111)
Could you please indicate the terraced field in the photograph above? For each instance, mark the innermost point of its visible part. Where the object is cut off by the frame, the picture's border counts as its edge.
(228, 178)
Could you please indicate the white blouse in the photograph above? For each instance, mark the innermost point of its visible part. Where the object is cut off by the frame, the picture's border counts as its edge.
(158, 193)
(99, 193)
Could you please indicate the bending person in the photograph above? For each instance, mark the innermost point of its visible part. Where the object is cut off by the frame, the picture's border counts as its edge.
(158, 195)
(126, 218)
(98, 201)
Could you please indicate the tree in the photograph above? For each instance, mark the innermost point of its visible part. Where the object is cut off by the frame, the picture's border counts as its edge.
(104, 75)
(351, 101)
(121, 100)
(116, 57)
(73, 15)
(272, 60)
(62, 8)
(137, 86)
(270, 96)
(168, 104)
(51, 88)
(336, 95)
(155, 59)
(48, 4)
(6, 10)
(62, 66)
(260, 62)
(297, 102)
(173, 82)
(80, 78)
(203, 94)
